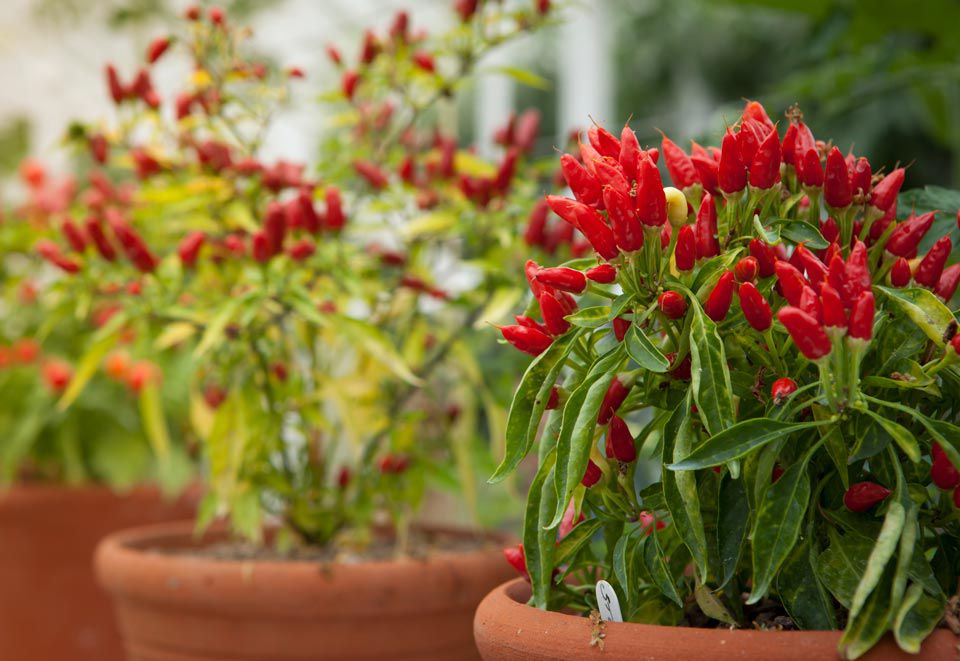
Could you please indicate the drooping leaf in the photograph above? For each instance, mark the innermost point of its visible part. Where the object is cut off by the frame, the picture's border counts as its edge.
(924, 309)
(900, 434)
(738, 441)
(880, 555)
(870, 623)
(659, 569)
(916, 618)
(593, 317)
(539, 544)
(733, 515)
(710, 376)
(802, 593)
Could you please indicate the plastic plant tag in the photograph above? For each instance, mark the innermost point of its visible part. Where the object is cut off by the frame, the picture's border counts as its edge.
(608, 603)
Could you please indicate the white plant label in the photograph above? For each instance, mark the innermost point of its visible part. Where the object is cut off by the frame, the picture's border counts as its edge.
(608, 603)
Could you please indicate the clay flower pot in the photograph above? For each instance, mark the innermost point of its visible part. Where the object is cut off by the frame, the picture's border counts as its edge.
(51, 608)
(506, 629)
(178, 606)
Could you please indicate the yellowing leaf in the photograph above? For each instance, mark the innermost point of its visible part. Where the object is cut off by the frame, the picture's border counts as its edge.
(470, 164)
(86, 368)
(431, 223)
(501, 304)
(154, 423)
(174, 334)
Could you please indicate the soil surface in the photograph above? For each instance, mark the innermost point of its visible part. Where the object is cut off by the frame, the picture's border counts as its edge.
(422, 544)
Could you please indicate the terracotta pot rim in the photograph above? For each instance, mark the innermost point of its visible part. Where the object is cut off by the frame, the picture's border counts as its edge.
(30, 491)
(508, 603)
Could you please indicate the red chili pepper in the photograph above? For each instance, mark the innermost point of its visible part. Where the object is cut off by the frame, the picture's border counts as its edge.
(584, 185)
(302, 249)
(592, 475)
(630, 153)
(682, 171)
(620, 445)
(393, 464)
(718, 302)
(189, 248)
(602, 273)
(803, 141)
(590, 158)
(884, 194)
(651, 201)
(589, 222)
(755, 307)
(620, 328)
(815, 269)
(860, 178)
(746, 269)
(836, 182)
(942, 472)
(423, 60)
(513, 554)
(810, 303)
(861, 317)
(809, 169)
(51, 253)
(74, 235)
(530, 323)
(563, 278)
(275, 226)
(807, 333)
(685, 252)
(99, 238)
(791, 282)
(157, 48)
(931, 266)
(705, 229)
(834, 313)
(766, 259)
(672, 304)
(680, 370)
(732, 173)
(260, 247)
(623, 217)
(748, 141)
(372, 173)
(466, 9)
(117, 91)
(535, 232)
(900, 273)
(616, 393)
(863, 495)
(553, 314)
(754, 110)
(831, 232)
(906, 237)
(134, 246)
(948, 282)
(99, 148)
(781, 389)
(554, 401)
(788, 148)
(57, 374)
(604, 142)
(527, 340)
(708, 171)
(765, 168)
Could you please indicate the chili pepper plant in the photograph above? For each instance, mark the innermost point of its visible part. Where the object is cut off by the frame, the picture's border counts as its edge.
(744, 404)
(334, 377)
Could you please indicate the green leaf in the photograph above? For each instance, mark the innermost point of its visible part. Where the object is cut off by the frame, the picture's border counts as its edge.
(375, 342)
(733, 514)
(643, 353)
(530, 401)
(524, 77)
(538, 544)
(800, 231)
(924, 309)
(214, 329)
(710, 375)
(841, 564)
(712, 606)
(86, 368)
(880, 555)
(680, 487)
(154, 423)
(778, 525)
(659, 570)
(870, 623)
(900, 434)
(593, 317)
(917, 616)
(739, 440)
(802, 593)
(576, 539)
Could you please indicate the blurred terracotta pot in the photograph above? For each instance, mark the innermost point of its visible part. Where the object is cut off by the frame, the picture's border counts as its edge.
(51, 608)
(506, 629)
(177, 606)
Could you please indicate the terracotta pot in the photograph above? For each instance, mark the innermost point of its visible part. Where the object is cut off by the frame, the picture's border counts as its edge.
(51, 608)
(182, 607)
(506, 629)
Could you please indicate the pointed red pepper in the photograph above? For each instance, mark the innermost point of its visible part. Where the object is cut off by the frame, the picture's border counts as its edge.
(685, 252)
(708, 172)
(603, 141)
(863, 495)
(523, 320)
(651, 201)
(99, 238)
(836, 181)
(906, 237)
(589, 222)
(563, 278)
(884, 194)
(705, 229)
(620, 328)
(948, 282)
(592, 475)
(623, 217)
(620, 445)
(527, 340)
(860, 178)
(74, 235)
(553, 314)
(584, 185)
(746, 269)
(807, 333)
(682, 171)
(810, 303)
(788, 148)
(755, 308)
(515, 555)
(834, 313)
(189, 248)
(831, 232)
(616, 393)
(766, 259)
(748, 140)
(900, 273)
(755, 111)
(672, 304)
(765, 169)
(803, 142)
(260, 247)
(732, 173)
(815, 269)
(931, 266)
(629, 152)
(809, 170)
(608, 173)
(857, 269)
(718, 302)
(942, 472)
(602, 273)
(861, 317)
(791, 281)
